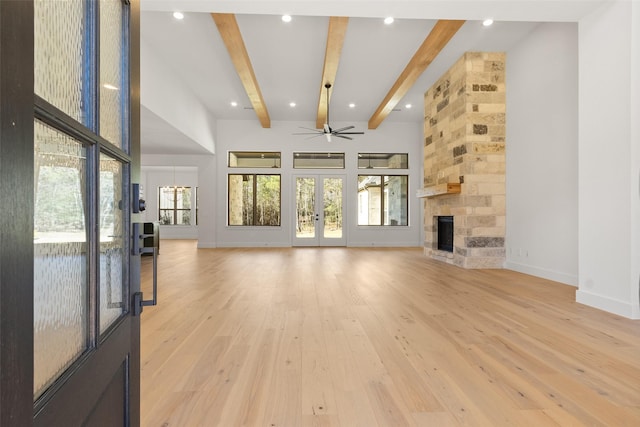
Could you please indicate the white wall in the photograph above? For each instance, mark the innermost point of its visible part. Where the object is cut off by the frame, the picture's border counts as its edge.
(249, 136)
(154, 177)
(609, 214)
(191, 170)
(162, 92)
(541, 152)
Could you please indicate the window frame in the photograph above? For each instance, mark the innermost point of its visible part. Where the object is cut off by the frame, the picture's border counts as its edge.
(175, 209)
(254, 200)
(316, 156)
(271, 159)
(382, 199)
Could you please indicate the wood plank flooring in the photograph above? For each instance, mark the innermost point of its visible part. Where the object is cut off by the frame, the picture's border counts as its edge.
(287, 337)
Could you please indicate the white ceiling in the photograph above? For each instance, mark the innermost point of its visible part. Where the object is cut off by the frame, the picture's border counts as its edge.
(287, 57)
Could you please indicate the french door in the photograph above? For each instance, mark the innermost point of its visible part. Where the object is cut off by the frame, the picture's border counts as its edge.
(319, 210)
(69, 139)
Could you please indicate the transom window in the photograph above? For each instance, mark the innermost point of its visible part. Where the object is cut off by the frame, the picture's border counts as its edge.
(383, 161)
(254, 159)
(318, 160)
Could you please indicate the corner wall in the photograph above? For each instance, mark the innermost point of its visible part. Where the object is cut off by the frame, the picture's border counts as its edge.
(542, 154)
(609, 259)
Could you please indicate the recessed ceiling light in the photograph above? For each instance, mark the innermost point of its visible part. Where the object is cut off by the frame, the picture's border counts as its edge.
(178, 15)
(388, 20)
(292, 104)
(352, 105)
(109, 86)
(487, 22)
(286, 18)
(407, 106)
(234, 104)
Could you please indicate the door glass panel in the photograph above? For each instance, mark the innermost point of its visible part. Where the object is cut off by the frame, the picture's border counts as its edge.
(60, 254)
(396, 200)
(60, 56)
(113, 85)
(305, 208)
(332, 194)
(369, 200)
(112, 249)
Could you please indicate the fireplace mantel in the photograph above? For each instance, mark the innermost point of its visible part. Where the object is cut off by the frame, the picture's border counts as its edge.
(439, 190)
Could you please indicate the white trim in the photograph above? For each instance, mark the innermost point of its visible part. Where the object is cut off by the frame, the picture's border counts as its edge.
(556, 276)
(621, 308)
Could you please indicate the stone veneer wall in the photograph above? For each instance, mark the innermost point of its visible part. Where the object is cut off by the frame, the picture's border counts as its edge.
(464, 130)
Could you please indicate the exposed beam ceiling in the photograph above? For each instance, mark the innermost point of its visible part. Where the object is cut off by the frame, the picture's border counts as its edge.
(437, 39)
(230, 32)
(335, 40)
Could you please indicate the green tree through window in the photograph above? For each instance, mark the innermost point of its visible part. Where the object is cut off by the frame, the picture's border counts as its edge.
(254, 199)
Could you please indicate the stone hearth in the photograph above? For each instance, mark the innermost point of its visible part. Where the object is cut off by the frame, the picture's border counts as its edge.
(464, 143)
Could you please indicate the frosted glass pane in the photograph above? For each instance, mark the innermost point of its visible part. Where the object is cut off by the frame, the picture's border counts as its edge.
(112, 83)
(60, 254)
(60, 55)
(112, 268)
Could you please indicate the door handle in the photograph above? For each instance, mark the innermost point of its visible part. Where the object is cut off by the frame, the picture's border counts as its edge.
(138, 300)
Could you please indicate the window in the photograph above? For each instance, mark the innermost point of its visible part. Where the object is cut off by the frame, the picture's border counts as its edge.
(177, 206)
(382, 199)
(254, 199)
(254, 159)
(383, 161)
(318, 160)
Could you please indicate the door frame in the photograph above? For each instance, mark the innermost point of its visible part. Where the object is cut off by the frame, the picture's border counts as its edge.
(16, 221)
(318, 240)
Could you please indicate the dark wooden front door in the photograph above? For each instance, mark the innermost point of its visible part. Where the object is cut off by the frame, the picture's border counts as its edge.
(69, 146)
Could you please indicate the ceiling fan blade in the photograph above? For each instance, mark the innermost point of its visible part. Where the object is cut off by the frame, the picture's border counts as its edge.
(349, 133)
(341, 129)
(339, 135)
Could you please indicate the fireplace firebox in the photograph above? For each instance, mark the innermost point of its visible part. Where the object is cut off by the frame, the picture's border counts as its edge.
(445, 233)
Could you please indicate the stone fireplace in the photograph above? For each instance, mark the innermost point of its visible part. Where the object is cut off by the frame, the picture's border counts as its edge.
(464, 161)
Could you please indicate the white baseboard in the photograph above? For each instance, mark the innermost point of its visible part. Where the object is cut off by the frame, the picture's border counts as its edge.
(621, 308)
(206, 245)
(556, 276)
(253, 245)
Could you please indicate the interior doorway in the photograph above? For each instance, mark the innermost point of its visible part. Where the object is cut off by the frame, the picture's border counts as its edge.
(319, 210)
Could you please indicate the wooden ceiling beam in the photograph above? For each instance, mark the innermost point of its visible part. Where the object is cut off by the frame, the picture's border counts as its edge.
(230, 32)
(437, 39)
(335, 40)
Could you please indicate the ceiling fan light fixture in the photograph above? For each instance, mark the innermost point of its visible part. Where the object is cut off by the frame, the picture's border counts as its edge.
(388, 20)
(286, 18)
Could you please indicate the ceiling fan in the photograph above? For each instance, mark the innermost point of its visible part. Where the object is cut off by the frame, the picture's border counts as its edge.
(327, 131)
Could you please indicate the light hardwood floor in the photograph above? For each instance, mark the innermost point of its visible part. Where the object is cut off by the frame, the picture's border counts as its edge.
(375, 337)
